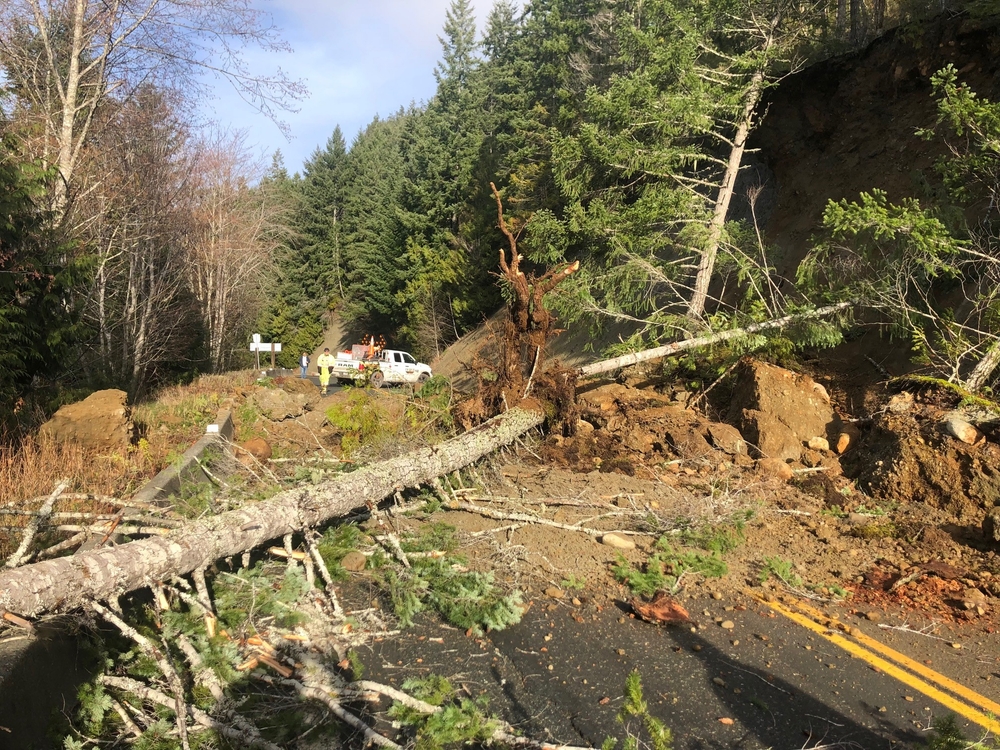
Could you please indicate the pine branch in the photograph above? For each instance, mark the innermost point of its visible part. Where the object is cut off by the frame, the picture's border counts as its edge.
(151, 650)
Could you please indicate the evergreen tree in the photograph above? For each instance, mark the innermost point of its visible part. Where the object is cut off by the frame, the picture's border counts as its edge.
(36, 328)
(310, 263)
(441, 151)
(373, 236)
(643, 165)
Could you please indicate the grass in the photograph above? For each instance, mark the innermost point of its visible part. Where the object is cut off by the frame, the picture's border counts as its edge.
(781, 569)
(33, 468)
(665, 568)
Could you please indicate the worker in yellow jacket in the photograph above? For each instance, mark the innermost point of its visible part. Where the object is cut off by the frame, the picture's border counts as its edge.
(325, 362)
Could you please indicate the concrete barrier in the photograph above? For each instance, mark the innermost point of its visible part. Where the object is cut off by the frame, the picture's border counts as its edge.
(188, 469)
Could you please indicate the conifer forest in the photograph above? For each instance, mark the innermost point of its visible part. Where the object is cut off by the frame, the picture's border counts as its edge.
(141, 247)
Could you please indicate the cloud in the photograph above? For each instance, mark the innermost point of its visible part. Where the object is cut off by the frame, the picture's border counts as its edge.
(358, 59)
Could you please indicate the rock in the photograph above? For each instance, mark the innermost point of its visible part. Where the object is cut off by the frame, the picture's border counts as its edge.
(583, 427)
(639, 441)
(687, 441)
(727, 625)
(962, 430)
(276, 404)
(974, 599)
(617, 541)
(775, 468)
(769, 436)
(819, 444)
(812, 458)
(314, 420)
(849, 435)
(354, 562)
(873, 616)
(777, 410)
(662, 609)
(102, 421)
(991, 525)
(727, 438)
(258, 447)
(298, 385)
(554, 592)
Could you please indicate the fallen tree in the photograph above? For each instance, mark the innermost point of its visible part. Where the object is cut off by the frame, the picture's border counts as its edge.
(66, 583)
(616, 363)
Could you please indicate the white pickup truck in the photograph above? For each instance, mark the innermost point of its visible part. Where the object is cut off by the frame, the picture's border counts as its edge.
(386, 366)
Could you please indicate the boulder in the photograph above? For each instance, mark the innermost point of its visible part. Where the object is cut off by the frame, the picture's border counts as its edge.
(727, 438)
(776, 468)
(314, 421)
(276, 404)
(819, 444)
(298, 385)
(617, 541)
(102, 421)
(778, 411)
(687, 440)
(770, 437)
(958, 428)
(259, 448)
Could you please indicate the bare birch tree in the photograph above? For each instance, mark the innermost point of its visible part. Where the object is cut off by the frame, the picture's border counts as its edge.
(135, 193)
(230, 256)
(65, 58)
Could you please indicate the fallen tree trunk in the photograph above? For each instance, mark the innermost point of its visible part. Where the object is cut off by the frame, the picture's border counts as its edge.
(65, 583)
(608, 365)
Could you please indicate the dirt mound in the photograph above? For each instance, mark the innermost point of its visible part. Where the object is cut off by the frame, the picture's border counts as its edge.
(906, 457)
(103, 421)
(641, 432)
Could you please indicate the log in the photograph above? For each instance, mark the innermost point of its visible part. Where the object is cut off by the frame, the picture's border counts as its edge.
(609, 365)
(65, 583)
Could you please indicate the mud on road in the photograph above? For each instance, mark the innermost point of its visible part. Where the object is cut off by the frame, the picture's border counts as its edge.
(885, 538)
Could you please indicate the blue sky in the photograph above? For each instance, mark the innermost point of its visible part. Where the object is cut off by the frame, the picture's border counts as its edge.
(358, 59)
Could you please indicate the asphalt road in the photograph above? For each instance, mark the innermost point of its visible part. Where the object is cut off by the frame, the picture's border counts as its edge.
(777, 679)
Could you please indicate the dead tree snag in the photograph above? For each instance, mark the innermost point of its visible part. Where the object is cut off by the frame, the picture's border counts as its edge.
(526, 331)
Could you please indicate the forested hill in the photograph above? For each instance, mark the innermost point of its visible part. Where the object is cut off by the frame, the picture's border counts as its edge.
(685, 153)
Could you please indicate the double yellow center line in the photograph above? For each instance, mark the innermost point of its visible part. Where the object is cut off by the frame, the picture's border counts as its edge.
(982, 710)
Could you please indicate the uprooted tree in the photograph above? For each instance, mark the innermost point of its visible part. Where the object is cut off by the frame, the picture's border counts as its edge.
(526, 330)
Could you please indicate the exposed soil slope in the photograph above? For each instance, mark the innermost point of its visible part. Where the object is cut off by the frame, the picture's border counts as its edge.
(849, 125)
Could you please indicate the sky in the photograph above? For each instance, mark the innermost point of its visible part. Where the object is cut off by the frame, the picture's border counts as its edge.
(359, 59)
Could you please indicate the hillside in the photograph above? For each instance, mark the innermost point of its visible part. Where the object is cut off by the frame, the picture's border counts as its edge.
(829, 132)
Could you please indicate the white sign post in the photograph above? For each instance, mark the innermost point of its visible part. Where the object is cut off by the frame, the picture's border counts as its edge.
(258, 346)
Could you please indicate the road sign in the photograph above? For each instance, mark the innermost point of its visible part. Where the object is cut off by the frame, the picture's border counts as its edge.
(258, 346)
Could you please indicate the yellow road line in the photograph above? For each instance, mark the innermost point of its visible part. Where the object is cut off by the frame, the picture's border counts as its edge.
(973, 715)
(929, 674)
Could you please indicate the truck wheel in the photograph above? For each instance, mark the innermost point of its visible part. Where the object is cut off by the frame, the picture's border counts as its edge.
(377, 380)
(423, 378)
